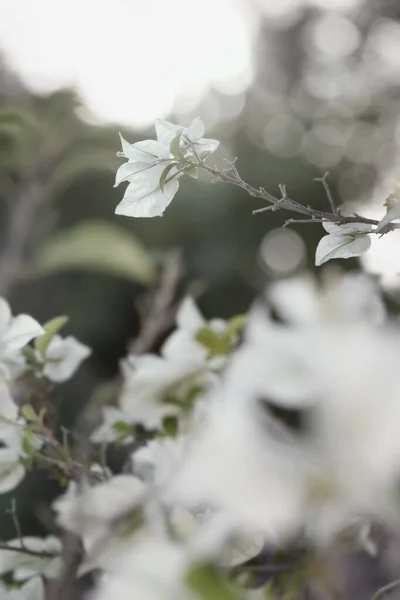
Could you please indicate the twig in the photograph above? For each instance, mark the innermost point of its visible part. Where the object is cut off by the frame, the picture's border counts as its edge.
(157, 311)
(17, 525)
(324, 181)
(294, 221)
(28, 551)
(386, 589)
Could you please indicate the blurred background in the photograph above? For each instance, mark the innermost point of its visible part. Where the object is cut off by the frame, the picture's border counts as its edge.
(293, 88)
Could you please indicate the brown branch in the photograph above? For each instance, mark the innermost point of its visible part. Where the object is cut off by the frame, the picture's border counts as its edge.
(28, 551)
(157, 310)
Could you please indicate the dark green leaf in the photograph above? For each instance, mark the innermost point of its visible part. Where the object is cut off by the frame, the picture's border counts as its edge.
(96, 246)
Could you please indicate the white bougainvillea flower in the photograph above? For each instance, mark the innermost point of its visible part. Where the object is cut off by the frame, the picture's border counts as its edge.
(149, 382)
(63, 357)
(144, 196)
(391, 215)
(182, 343)
(24, 565)
(343, 463)
(142, 158)
(342, 299)
(15, 333)
(90, 511)
(343, 241)
(106, 433)
(191, 137)
(31, 590)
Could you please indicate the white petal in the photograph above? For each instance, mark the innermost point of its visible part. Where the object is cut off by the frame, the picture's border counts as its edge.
(391, 215)
(195, 130)
(33, 589)
(63, 357)
(11, 471)
(296, 300)
(182, 346)
(144, 197)
(166, 131)
(5, 315)
(335, 246)
(335, 229)
(22, 330)
(130, 169)
(188, 316)
(206, 145)
(145, 150)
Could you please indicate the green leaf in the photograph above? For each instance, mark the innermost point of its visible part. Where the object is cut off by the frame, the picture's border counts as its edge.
(217, 344)
(164, 175)
(208, 584)
(51, 328)
(175, 147)
(192, 172)
(28, 412)
(29, 354)
(123, 427)
(170, 426)
(236, 324)
(99, 247)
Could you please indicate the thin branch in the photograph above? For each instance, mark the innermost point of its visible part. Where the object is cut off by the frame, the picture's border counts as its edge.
(294, 221)
(13, 512)
(157, 310)
(324, 181)
(28, 551)
(386, 589)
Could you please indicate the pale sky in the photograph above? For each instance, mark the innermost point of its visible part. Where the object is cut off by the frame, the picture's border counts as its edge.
(131, 60)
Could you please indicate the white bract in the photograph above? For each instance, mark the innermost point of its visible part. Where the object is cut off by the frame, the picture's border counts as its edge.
(343, 241)
(24, 565)
(15, 333)
(344, 462)
(12, 470)
(90, 511)
(150, 383)
(107, 432)
(31, 590)
(182, 343)
(63, 357)
(191, 138)
(153, 170)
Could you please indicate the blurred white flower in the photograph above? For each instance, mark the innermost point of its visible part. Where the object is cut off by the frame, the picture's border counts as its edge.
(63, 357)
(391, 215)
(154, 385)
(15, 333)
(340, 377)
(24, 565)
(90, 512)
(182, 344)
(343, 241)
(31, 590)
(107, 432)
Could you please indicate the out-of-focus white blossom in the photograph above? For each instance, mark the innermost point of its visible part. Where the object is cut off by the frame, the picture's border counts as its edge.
(15, 333)
(182, 343)
(150, 383)
(90, 513)
(63, 357)
(31, 590)
(108, 431)
(342, 378)
(343, 241)
(24, 565)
